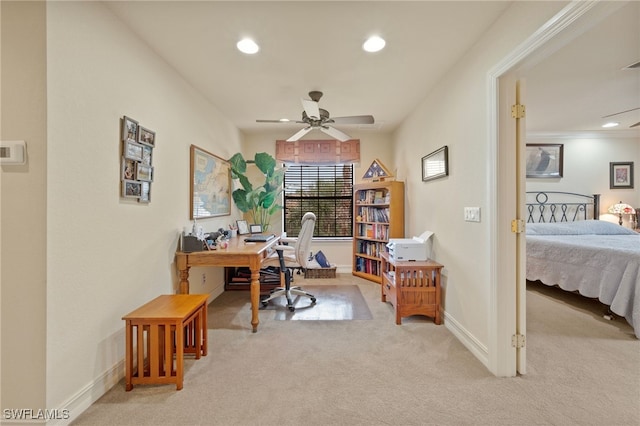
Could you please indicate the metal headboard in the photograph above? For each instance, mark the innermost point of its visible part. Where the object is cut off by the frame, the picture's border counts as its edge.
(554, 206)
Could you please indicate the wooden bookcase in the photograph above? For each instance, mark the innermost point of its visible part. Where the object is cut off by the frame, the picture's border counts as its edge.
(378, 214)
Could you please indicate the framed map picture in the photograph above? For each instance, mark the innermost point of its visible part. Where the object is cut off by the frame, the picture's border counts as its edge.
(210, 185)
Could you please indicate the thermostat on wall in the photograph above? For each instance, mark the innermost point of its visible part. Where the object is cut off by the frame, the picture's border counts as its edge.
(13, 152)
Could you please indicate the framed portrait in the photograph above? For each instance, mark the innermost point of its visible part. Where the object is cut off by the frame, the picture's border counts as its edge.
(243, 227)
(145, 192)
(436, 164)
(128, 171)
(255, 228)
(210, 185)
(132, 151)
(621, 175)
(147, 152)
(146, 136)
(544, 160)
(129, 129)
(131, 189)
(144, 173)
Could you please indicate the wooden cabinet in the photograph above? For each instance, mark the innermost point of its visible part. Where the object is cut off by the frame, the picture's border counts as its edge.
(378, 214)
(412, 287)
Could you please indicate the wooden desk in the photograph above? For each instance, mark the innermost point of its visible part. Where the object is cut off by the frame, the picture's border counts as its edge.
(238, 253)
(173, 324)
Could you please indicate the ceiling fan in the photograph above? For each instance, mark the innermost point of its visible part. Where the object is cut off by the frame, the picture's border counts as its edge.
(623, 112)
(317, 118)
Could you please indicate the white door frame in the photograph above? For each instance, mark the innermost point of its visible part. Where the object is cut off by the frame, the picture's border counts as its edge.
(502, 197)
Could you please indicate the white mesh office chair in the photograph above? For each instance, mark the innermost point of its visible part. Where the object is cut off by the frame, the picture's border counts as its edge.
(294, 255)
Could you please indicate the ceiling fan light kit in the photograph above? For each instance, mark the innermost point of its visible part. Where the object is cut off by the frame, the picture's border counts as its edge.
(318, 118)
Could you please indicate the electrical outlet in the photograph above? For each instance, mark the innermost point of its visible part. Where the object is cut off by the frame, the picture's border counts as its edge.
(472, 214)
(204, 278)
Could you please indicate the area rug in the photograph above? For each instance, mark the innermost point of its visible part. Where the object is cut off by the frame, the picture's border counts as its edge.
(333, 303)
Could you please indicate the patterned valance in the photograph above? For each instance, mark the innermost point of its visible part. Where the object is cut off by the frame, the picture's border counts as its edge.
(314, 152)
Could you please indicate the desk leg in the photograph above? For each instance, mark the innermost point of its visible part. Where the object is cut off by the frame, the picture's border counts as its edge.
(183, 271)
(179, 355)
(255, 293)
(437, 318)
(128, 356)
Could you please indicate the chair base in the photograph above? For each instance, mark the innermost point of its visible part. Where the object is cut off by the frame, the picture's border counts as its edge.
(282, 291)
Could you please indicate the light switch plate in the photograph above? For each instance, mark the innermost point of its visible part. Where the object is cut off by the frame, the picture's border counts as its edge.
(13, 152)
(472, 214)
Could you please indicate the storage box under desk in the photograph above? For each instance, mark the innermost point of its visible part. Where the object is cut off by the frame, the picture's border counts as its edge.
(413, 288)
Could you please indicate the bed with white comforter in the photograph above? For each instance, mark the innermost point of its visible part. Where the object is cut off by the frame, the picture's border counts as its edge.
(598, 259)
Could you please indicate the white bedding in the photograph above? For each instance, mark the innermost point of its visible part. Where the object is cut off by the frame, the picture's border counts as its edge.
(597, 259)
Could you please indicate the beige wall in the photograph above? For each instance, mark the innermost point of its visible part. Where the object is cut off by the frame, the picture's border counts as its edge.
(23, 207)
(106, 256)
(372, 146)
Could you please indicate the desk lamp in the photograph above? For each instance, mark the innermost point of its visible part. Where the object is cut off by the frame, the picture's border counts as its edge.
(620, 209)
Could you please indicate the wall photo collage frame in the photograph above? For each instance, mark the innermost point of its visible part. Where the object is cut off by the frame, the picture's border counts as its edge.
(136, 172)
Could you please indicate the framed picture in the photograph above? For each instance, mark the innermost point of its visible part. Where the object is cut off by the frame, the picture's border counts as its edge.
(144, 173)
(210, 186)
(131, 189)
(436, 164)
(129, 129)
(145, 192)
(255, 228)
(621, 175)
(243, 227)
(128, 171)
(132, 151)
(146, 155)
(544, 160)
(146, 136)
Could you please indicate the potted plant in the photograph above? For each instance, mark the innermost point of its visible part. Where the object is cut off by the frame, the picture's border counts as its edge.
(261, 202)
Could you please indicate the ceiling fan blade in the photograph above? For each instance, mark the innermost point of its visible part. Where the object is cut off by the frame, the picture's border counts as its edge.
(299, 134)
(621, 112)
(635, 125)
(335, 133)
(354, 119)
(311, 108)
(279, 121)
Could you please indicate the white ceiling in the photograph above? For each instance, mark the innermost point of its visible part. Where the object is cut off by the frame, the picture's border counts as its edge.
(312, 45)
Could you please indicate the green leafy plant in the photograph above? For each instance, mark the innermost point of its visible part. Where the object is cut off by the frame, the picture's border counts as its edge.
(261, 202)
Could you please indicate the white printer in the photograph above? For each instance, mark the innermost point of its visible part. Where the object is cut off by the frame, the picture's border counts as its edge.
(407, 249)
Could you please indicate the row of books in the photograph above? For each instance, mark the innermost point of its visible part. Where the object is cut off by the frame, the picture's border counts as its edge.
(371, 248)
(374, 231)
(373, 214)
(368, 266)
(373, 196)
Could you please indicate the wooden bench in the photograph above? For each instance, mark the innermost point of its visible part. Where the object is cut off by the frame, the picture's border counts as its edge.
(166, 326)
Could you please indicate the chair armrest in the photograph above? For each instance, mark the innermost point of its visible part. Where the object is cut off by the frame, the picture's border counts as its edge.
(288, 239)
(283, 248)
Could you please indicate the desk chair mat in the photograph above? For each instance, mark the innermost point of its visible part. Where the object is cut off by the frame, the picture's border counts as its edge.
(334, 303)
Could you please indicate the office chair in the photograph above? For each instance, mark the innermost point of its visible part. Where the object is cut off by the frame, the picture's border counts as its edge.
(294, 255)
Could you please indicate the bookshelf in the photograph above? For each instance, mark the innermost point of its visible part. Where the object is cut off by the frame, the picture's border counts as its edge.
(378, 214)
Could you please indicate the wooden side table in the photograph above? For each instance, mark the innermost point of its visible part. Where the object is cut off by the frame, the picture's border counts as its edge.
(166, 326)
(413, 288)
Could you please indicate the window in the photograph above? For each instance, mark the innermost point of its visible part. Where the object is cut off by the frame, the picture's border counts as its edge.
(326, 191)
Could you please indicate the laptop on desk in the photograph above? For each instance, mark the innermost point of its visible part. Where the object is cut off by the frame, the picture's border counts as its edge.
(259, 238)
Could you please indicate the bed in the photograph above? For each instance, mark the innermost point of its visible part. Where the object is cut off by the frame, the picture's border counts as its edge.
(567, 247)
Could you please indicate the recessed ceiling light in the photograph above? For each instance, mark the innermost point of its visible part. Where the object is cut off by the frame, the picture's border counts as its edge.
(248, 46)
(610, 124)
(374, 44)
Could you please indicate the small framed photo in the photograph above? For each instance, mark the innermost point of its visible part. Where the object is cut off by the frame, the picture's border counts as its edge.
(243, 227)
(145, 192)
(255, 228)
(621, 175)
(144, 173)
(129, 129)
(132, 151)
(146, 136)
(131, 189)
(146, 155)
(436, 164)
(544, 160)
(128, 169)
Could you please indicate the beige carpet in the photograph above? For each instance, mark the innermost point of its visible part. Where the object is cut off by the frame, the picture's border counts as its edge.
(583, 370)
(333, 303)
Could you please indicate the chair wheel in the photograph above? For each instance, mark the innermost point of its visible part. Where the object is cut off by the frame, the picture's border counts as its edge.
(264, 304)
(292, 308)
(313, 300)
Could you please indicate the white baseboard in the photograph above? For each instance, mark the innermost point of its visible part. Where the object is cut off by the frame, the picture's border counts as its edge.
(479, 350)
